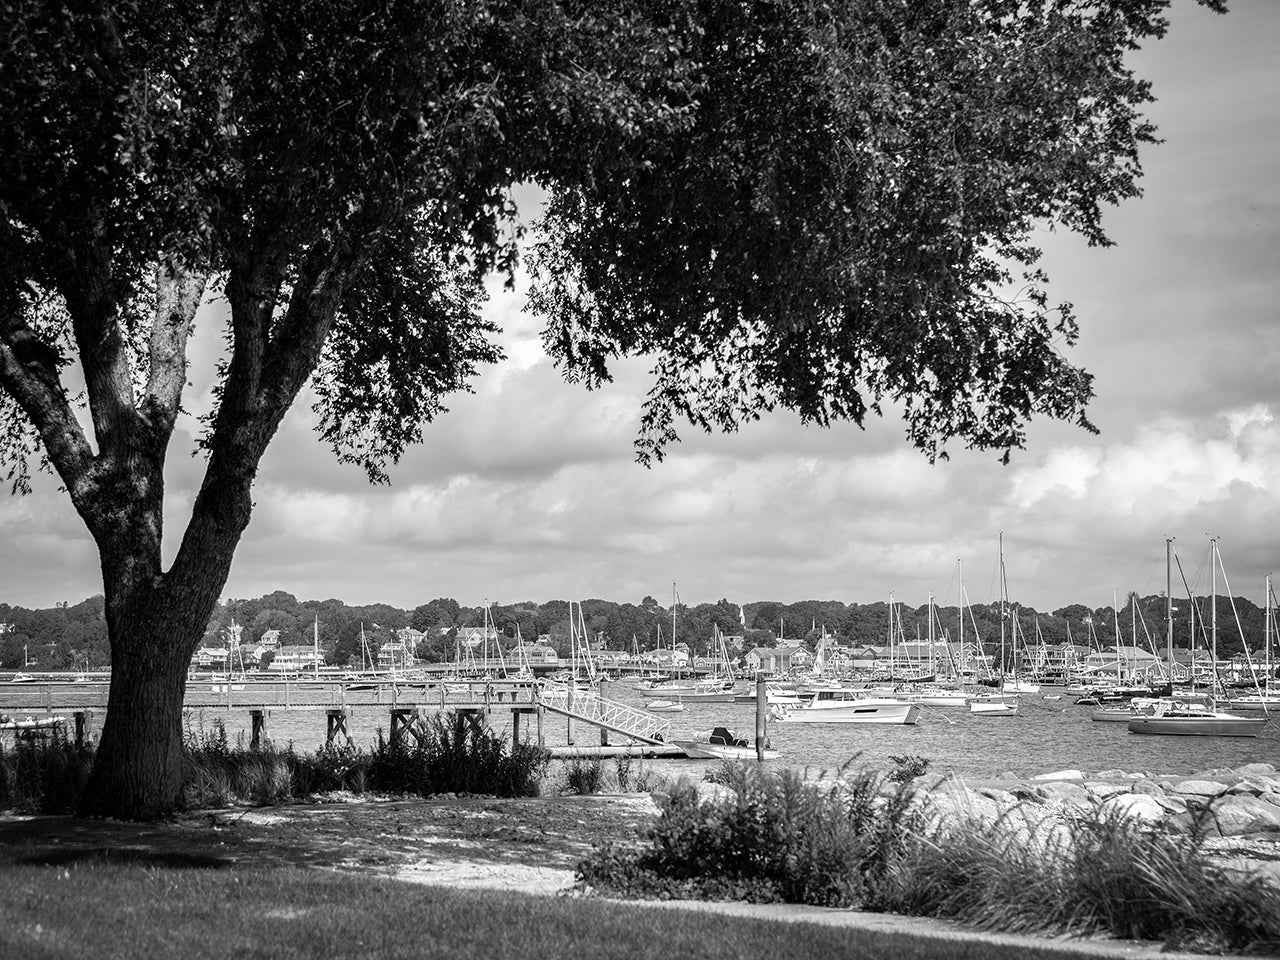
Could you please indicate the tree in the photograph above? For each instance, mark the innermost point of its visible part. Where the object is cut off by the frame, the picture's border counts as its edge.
(815, 207)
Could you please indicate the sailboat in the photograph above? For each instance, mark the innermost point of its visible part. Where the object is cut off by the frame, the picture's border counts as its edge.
(1173, 717)
(1004, 703)
(1266, 695)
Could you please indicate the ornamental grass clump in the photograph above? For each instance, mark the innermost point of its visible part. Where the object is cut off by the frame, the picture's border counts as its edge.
(584, 778)
(218, 774)
(1086, 875)
(448, 755)
(774, 837)
(43, 773)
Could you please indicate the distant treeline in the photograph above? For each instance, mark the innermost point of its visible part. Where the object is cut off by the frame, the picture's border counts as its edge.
(68, 637)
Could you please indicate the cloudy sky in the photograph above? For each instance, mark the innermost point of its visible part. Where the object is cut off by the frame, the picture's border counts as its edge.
(528, 488)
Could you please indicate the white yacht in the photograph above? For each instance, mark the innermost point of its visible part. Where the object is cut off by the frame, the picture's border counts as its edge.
(846, 706)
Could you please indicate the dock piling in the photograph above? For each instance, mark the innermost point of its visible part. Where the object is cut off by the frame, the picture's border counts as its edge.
(82, 726)
(258, 726)
(337, 723)
(762, 720)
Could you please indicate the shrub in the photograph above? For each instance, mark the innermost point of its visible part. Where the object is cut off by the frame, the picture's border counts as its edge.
(776, 838)
(584, 777)
(907, 768)
(452, 756)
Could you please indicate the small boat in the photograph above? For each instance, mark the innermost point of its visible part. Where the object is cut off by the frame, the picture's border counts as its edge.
(664, 706)
(22, 678)
(1195, 720)
(721, 743)
(994, 706)
(846, 706)
(1053, 696)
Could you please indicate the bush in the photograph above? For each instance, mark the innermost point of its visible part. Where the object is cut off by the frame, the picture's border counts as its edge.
(584, 777)
(907, 768)
(451, 756)
(777, 838)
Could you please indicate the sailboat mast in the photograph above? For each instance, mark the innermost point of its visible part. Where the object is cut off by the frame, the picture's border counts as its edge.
(1168, 600)
(1213, 613)
(1004, 599)
(1266, 639)
(1115, 616)
(315, 646)
(932, 667)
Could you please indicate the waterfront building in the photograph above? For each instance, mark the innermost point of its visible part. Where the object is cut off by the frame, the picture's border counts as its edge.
(297, 658)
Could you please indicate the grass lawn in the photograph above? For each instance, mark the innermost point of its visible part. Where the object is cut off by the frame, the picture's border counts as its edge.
(107, 911)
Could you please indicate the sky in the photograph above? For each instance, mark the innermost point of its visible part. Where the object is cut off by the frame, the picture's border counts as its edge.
(528, 489)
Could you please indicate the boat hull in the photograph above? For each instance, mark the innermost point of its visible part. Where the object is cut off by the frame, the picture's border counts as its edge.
(1198, 726)
(714, 751)
(851, 711)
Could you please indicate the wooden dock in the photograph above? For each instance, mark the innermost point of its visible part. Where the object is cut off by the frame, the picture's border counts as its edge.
(408, 704)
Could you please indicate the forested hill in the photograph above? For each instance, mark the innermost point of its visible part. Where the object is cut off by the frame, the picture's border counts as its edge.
(73, 637)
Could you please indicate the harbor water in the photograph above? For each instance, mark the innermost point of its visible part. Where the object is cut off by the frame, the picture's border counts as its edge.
(1046, 735)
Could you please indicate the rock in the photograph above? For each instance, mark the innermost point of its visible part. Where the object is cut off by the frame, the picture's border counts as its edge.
(1150, 787)
(1197, 788)
(1064, 790)
(961, 806)
(1104, 790)
(1240, 814)
(1003, 797)
(1111, 775)
(1174, 805)
(1256, 770)
(1008, 775)
(1253, 786)
(1136, 806)
(1060, 775)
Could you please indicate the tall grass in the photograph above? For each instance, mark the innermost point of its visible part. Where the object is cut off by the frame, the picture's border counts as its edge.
(874, 843)
(47, 774)
(43, 773)
(1091, 875)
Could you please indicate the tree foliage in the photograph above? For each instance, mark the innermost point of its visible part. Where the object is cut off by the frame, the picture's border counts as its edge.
(817, 206)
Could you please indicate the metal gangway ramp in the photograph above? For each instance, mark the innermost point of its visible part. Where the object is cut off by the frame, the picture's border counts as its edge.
(588, 706)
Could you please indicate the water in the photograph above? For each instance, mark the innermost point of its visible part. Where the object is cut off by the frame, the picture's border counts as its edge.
(1047, 735)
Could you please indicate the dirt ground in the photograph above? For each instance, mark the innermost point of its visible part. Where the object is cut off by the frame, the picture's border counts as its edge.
(531, 844)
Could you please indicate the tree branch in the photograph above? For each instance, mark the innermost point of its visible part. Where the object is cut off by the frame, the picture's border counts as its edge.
(29, 373)
(178, 294)
(87, 287)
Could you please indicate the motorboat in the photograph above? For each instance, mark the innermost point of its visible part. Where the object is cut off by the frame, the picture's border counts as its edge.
(846, 706)
(721, 743)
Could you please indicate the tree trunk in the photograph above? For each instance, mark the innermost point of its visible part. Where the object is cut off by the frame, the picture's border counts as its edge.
(154, 623)
(137, 772)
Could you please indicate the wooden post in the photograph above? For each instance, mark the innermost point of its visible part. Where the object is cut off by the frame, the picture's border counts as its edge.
(258, 724)
(82, 726)
(604, 736)
(762, 719)
(398, 724)
(515, 729)
(337, 723)
(542, 740)
(568, 721)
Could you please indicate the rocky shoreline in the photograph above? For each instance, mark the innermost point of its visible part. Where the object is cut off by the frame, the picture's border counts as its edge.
(1239, 801)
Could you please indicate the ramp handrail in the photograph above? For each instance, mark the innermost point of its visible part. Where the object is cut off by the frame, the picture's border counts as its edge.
(588, 705)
